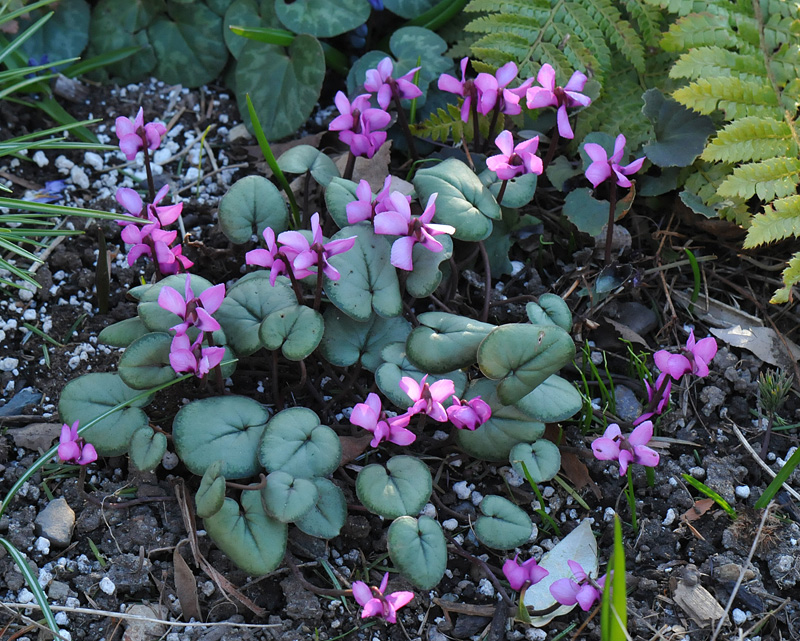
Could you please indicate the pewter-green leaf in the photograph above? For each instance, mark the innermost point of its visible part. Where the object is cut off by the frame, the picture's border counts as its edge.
(147, 448)
(296, 331)
(288, 498)
(295, 442)
(401, 488)
(145, 363)
(418, 549)
(445, 342)
(345, 341)
(211, 493)
(303, 158)
(550, 310)
(251, 205)
(503, 525)
(326, 518)
(541, 459)
(322, 18)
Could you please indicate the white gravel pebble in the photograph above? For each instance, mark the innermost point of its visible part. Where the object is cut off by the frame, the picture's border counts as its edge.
(450, 524)
(42, 545)
(608, 514)
(462, 490)
(669, 519)
(40, 158)
(64, 164)
(535, 634)
(95, 161)
(29, 315)
(738, 616)
(743, 491)
(107, 585)
(79, 177)
(62, 619)
(25, 596)
(429, 510)
(8, 364)
(486, 588)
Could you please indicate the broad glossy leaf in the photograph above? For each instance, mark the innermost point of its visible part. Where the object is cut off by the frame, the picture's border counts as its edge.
(401, 488)
(409, 8)
(445, 342)
(326, 518)
(519, 191)
(64, 35)
(338, 194)
(322, 18)
(155, 317)
(220, 427)
(550, 310)
(463, 201)
(680, 132)
(418, 548)
(247, 13)
(345, 341)
(295, 442)
(425, 277)
(542, 459)
(84, 399)
(147, 448)
(117, 24)
(586, 212)
(122, 333)
(522, 356)
(251, 205)
(503, 525)
(145, 363)
(251, 538)
(296, 331)
(303, 158)
(553, 400)
(288, 498)
(211, 493)
(368, 281)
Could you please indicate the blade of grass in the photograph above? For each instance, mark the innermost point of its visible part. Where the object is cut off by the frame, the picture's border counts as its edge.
(63, 210)
(696, 275)
(98, 62)
(702, 487)
(618, 616)
(780, 479)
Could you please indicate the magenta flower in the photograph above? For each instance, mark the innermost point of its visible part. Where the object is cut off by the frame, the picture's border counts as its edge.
(379, 81)
(515, 161)
(276, 259)
(193, 311)
(523, 575)
(132, 202)
(464, 88)
(469, 414)
(371, 417)
(314, 253)
(657, 396)
(612, 446)
(185, 356)
(397, 221)
(602, 167)
(375, 603)
(146, 240)
(548, 95)
(580, 591)
(695, 358)
(492, 90)
(171, 259)
(362, 208)
(134, 134)
(428, 398)
(72, 448)
(358, 124)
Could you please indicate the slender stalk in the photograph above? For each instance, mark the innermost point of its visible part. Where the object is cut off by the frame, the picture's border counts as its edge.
(502, 192)
(298, 293)
(487, 281)
(151, 185)
(209, 336)
(493, 124)
(476, 132)
(318, 293)
(348, 168)
(551, 150)
(612, 207)
(403, 121)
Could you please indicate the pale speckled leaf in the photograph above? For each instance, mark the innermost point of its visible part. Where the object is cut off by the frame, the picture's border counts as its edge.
(322, 18)
(345, 341)
(409, 8)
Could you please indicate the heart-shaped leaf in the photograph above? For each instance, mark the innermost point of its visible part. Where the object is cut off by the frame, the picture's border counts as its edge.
(303, 158)
(503, 525)
(64, 35)
(418, 548)
(288, 498)
(368, 280)
(681, 133)
(322, 18)
(247, 304)
(249, 537)
(326, 518)
(550, 310)
(345, 341)
(250, 13)
(296, 331)
(541, 459)
(402, 488)
(338, 194)
(84, 399)
(117, 24)
(584, 211)
(409, 8)
(147, 448)
(406, 44)
(211, 493)
(251, 205)
(283, 83)
(425, 277)
(553, 400)
(145, 363)
(522, 356)
(444, 342)
(519, 191)
(123, 333)
(463, 201)
(295, 442)
(220, 427)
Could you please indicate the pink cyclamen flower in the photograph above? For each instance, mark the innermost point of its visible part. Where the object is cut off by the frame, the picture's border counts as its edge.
(580, 591)
(185, 356)
(694, 358)
(194, 311)
(464, 88)
(602, 167)
(523, 575)
(358, 124)
(276, 259)
(363, 207)
(72, 448)
(515, 161)
(657, 396)
(492, 91)
(134, 134)
(379, 81)
(375, 603)
(371, 417)
(314, 253)
(469, 414)
(612, 446)
(548, 95)
(428, 398)
(397, 221)
(132, 202)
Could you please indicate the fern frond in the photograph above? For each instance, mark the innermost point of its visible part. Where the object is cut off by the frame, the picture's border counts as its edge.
(496, 49)
(523, 26)
(619, 32)
(446, 124)
(707, 62)
(735, 97)
(779, 220)
(704, 181)
(647, 18)
(574, 17)
(519, 7)
(681, 7)
(768, 179)
(579, 56)
(547, 52)
(750, 139)
(699, 30)
(791, 276)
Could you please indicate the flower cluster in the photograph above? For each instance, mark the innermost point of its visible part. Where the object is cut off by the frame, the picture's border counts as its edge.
(582, 590)
(72, 448)
(604, 166)
(375, 603)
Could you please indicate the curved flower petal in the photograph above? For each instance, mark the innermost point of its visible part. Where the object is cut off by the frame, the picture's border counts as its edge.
(565, 591)
(401, 255)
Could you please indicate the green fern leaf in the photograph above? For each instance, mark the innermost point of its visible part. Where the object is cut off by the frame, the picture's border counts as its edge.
(547, 52)
(496, 49)
(647, 18)
(779, 220)
(704, 181)
(750, 139)
(681, 7)
(579, 56)
(574, 16)
(443, 125)
(735, 97)
(707, 62)
(791, 276)
(523, 26)
(699, 30)
(619, 32)
(768, 179)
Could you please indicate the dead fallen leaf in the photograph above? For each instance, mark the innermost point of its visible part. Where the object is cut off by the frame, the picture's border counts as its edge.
(695, 600)
(186, 587)
(353, 447)
(627, 333)
(764, 342)
(700, 507)
(578, 474)
(716, 313)
(37, 437)
(374, 170)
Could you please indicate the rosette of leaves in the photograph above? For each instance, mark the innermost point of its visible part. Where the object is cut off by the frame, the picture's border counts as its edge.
(740, 61)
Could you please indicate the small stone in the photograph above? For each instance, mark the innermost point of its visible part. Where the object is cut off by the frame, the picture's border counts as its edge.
(628, 405)
(42, 545)
(450, 524)
(79, 177)
(239, 133)
(698, 472)
(738, 616)
(535, 634)
(670, 517)
(462, 490)
(137, 630)
(8, 364)
(40, 159)
(743, 491)
(56, 522)
(58, 591)
(486, 588)
(95, 161)
(107, 585)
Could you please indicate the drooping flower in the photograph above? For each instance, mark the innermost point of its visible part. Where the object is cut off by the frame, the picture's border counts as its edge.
(276, 259)
(657, 396)
(613, 446)
(132, 202)
(464, 88)
(362, 208)
(188, 356)
(72, 448)
(428, 398)
(515, 161)
(315, 253)
(379, 81)
(358, 124)
(396, 220)
(375, 603)
(694, 358)
(194, 311)
(548, 95)
(492, 90)
(581, 591)
(134, 134)
(521, 575)
(469, 414)
(371, 417)
(602, 167)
